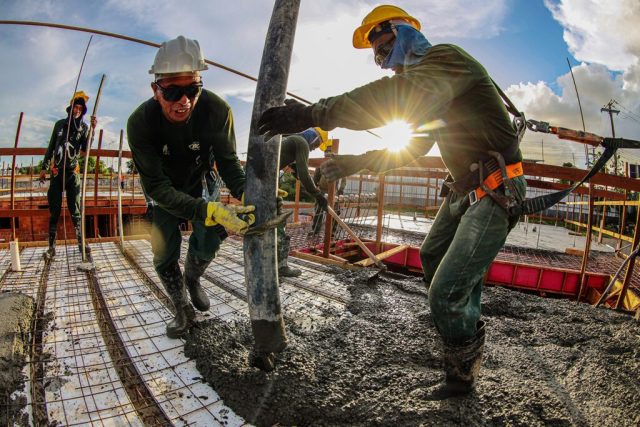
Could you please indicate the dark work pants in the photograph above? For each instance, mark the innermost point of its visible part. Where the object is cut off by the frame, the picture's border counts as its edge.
(456, 254)
(166, 240)
(54, 197)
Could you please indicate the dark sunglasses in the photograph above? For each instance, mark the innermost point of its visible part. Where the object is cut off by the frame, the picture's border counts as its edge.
(175, 93)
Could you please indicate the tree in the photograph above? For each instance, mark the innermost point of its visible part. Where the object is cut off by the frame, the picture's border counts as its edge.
(92, 165)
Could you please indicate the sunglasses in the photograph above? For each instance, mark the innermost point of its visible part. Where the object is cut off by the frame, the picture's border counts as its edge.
(175, 93)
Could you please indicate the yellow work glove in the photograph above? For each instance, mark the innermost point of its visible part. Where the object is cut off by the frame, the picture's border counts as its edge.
(227, 216)
(282, 193)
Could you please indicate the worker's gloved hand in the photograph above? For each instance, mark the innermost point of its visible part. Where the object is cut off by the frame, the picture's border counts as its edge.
(94, 121)
(227, 216)
(321, 200)
(293, 117)
(43, 175)
(337, 167)
(280, 200)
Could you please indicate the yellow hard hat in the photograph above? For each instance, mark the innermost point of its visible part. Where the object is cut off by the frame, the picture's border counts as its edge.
(377, 16)
(79, 94)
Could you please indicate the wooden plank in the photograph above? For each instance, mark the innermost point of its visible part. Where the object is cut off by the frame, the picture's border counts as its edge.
(383, 255)
(573, 251)
(322, 260)
(349, 254)
(337, 258)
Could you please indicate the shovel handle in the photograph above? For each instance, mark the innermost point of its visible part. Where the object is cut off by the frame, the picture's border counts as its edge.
(353, 235)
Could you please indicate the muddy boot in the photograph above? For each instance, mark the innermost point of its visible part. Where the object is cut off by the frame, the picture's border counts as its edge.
(172, 280)
(461, 365)
(287, 271)
(283, 254)
(87, 249)
(51, 252)
(193, 270)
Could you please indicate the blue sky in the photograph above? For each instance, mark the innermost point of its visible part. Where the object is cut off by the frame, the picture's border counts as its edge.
(522, 43)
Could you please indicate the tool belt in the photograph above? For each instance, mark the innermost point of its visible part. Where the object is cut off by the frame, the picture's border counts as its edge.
(497, 174)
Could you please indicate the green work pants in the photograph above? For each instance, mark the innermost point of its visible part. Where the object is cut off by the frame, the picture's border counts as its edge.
(166, 240)
(54, 197)
(456, 254)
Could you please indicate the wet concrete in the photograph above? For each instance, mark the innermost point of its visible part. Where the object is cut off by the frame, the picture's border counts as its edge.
(547, 362)
(16, 311)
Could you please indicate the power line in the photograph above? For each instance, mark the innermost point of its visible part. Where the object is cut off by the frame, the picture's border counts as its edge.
(607, 108)
(627, 110)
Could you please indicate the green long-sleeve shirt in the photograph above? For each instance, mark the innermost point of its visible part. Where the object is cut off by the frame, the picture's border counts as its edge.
(172, 159)
(77, 139)
(448, 84)
(295, 149)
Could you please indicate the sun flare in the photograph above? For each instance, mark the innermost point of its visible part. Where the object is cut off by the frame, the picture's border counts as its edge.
(395, 136)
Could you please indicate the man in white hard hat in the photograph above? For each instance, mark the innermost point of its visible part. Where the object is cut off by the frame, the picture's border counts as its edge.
(443, 91)
(176, 138)
(68, 141)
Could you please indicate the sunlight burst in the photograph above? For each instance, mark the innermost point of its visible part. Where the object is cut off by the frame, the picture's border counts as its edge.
(395, 136)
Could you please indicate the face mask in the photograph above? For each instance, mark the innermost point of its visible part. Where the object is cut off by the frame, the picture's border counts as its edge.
(409, 47)
(383, 51)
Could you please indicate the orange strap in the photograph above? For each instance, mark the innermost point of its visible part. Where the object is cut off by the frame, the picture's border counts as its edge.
(494, 180)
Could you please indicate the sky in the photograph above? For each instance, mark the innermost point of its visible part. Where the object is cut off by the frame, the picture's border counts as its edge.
(524, 45)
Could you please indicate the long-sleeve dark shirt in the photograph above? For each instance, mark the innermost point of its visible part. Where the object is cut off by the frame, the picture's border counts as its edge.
(172, 159)
(77, 142)
(295, 149)
(448, 86)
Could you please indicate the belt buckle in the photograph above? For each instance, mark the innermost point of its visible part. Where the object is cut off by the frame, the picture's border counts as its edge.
(473, 197)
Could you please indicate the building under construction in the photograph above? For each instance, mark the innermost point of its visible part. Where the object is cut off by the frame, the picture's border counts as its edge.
(93, 343)
(83, 339)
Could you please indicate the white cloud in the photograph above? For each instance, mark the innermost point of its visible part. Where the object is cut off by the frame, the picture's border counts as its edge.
(596, 87)
(605, 32)
(588, 32)
(42, 64)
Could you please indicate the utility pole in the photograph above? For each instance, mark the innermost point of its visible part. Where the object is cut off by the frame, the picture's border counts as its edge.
(608, 108)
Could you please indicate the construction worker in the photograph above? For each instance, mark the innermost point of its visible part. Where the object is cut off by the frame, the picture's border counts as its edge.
(176, 137)
(68, 141)
(319, 213)
(443, 91)
(294, 152)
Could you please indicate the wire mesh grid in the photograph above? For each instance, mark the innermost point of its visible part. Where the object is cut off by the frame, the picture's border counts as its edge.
(78, 383)
(314, 292)
(140, 319)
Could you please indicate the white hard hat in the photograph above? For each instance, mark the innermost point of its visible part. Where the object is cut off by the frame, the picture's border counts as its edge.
(180, 55)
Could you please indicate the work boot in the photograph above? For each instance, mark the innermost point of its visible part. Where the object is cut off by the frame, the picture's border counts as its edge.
(172, 280)
(286, 271)
(51, 252)
(283, 254)
(461, 365)
(87, 249)
(193, 270)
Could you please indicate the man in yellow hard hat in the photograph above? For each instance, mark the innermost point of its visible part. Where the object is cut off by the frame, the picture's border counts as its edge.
(443, 91)
(176, 138)
(68, 141)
